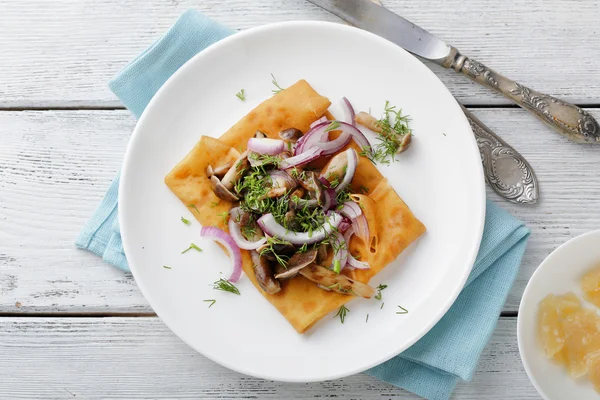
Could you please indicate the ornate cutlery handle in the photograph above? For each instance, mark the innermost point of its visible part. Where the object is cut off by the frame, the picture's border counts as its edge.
(568, 119)
(506, 170)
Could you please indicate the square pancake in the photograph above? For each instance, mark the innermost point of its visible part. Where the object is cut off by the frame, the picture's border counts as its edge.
(391, 223)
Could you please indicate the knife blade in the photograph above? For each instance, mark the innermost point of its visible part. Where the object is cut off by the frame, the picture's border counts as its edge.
(567, 119)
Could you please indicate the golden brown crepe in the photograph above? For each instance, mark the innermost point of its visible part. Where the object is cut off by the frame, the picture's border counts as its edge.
(392, 226)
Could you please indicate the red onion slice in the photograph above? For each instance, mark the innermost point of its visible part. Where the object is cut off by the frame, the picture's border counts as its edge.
(301, 159)
(236, 232)
(266, 146)
(350, 170)
(312, 137)
(319, 121)
(227, 241)
(329, 199)
(361, 228)
(359, 221)
(353, 262)
(350, 110)
(271, 227)
(350, 210)
(340, 252)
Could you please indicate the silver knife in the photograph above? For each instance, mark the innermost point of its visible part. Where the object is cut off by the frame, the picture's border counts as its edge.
(568, 119)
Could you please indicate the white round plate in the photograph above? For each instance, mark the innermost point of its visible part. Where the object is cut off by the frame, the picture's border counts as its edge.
(440, 178)
(559, 273)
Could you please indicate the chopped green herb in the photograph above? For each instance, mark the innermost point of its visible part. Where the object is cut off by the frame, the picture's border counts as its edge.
(337, 267)
(211, 301)
(379, 289)
(194, 207)
(225, 216)
(192, 246)
(225, 286)
(303, 248)
(402, 310)
(185, 221)
(241, 95)
(166, 267)
(394, 126)
(214, 203)
(274, 82)
(269, 248)
(342, 313)
(381, 306)
(367, 320)
(333, 126)
(443, 134)
(364, 189)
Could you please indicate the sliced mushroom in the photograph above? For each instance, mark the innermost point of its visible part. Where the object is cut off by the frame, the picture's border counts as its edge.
(260, 134)
(282, 250)
(309, 181)
(337, 282)
(249, 227)
(368, 121)
(221, 191)
(296, 263)
(298, 192)
(335, 170)
(290, 134)
(264, 274)
(281, 183)
(218, 171)
(236, 171)
(322, 253)
(404, 142)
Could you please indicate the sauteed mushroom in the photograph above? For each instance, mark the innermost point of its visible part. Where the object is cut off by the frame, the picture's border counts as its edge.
(337, 282)
(336, 169)
(221, 191)
(296, 263)
(264, 274)
(290, 134)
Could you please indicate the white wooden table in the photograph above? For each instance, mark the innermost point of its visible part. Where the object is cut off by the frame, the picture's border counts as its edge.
(74, 327)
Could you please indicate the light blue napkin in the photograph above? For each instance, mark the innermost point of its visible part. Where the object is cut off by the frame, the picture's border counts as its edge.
(450, 351)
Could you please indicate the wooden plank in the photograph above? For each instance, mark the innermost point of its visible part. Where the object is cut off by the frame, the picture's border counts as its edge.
(56, 165)
(139, 358)
(66, 57)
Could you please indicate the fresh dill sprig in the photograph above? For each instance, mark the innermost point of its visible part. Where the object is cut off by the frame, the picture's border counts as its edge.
(194, 207)
(367, 320)
(337, 266)
(241, 95)
(342, 196)
(166, 267)
(185, 221)
(211, 301)
(192, 246)
(380, 288)
(333, 126)
(394, 126)
(224, 216)
(342, 313)
(381, 305)
(402, 310)
(214, 203)
(364, 189)
(225, 286)
(269, 248)
(274, 82)
(303, 248)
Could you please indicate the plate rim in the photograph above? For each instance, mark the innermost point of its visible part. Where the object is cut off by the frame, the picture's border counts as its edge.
(526, 293)
(307, 24)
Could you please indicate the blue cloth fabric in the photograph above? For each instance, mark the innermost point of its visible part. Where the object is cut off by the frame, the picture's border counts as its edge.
(450, 351)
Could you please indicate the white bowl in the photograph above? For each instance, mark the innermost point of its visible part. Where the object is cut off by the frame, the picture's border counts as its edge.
(561, 272)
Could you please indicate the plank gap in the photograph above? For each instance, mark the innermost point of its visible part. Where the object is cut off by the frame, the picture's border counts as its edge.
(74, 315)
